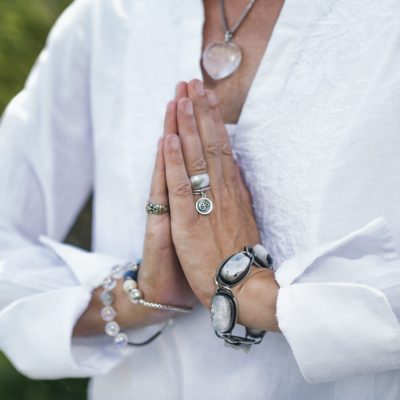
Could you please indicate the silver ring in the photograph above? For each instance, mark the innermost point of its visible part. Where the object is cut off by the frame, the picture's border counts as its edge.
(201, 191)
(156, 209)
(200, 181)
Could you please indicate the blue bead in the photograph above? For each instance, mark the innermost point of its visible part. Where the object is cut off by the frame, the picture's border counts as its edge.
(130, 275)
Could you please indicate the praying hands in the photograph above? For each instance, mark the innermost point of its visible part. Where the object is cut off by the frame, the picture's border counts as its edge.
(185, 240)
(202, 242)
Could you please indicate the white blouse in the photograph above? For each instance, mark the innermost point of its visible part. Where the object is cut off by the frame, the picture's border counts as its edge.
(318, 142)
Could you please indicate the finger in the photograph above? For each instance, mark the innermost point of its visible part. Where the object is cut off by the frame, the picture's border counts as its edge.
(181, 90)
(207, 130)
(181, 201)
(170, 125)
(190, 140)
(158, 189)
(228, 163)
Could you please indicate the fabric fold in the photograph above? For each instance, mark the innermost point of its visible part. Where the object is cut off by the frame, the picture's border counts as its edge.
(89, 268)
(338, 327)
(50, 346)
(363, 245)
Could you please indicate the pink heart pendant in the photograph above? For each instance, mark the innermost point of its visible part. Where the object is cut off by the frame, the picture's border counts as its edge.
(221, 59)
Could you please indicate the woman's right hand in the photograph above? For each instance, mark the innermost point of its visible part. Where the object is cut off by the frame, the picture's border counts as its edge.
(160, 278)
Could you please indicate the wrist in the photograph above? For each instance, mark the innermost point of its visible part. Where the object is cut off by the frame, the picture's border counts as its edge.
(257, 298)
(130, 315)
(246, 293)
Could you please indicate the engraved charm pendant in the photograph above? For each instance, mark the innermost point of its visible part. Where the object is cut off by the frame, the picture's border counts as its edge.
(204, 205)
(221, 59)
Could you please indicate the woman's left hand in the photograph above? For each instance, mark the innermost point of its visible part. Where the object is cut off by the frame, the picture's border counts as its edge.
(202, 242)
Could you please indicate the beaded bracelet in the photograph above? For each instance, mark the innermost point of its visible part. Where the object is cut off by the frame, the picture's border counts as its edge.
(108, 312)
(129, 272)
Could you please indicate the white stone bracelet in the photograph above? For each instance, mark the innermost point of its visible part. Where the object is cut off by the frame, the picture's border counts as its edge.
(108, 312)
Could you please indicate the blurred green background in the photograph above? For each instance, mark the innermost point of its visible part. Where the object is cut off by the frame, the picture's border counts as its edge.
(24, 25)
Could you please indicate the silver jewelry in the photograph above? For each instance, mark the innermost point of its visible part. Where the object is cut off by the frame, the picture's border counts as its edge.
(222, 59)
(200, 181)
(203, 205)
(224, 307)
(262, 258)
(136, 295)
(156, 209)
(163, 307)
(108, 312)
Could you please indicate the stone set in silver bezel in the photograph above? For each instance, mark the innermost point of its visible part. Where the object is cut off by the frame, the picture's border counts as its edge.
(224, 308)
(222, 326)
(234, 269)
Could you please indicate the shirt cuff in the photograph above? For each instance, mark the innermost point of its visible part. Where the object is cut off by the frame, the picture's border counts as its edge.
(336, 325)
(36, 330)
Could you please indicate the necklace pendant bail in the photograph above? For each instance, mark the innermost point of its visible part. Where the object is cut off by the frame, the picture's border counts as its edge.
(222, 59)
(228, 36)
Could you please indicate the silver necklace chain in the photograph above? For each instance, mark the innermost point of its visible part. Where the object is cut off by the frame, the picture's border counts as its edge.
(230, 32)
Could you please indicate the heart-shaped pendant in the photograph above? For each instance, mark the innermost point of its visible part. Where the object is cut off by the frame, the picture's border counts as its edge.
(221, 59)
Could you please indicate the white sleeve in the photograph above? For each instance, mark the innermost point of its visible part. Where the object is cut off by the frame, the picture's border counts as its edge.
(45, 177)
(337, 305)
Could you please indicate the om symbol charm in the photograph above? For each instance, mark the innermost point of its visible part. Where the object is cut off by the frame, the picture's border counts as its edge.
(204, 205)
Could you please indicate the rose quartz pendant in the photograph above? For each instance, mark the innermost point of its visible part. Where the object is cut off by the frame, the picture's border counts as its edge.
(221, 59)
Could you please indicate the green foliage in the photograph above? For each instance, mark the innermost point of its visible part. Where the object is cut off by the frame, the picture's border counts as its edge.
(24, 25)
(14, 386)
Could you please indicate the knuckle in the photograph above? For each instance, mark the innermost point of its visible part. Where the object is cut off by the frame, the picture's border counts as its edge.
(202, 111)
(183, 189)
(196, 92)
(199, 165)
(192, 127)
(226, 150)
(212, 99)
(213, 148)
(212, 107)
(175, 161)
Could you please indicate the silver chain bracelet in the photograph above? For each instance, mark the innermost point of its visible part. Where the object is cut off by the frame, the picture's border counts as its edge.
(129, 272)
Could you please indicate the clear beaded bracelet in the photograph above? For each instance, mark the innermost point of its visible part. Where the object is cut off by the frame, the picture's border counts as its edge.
(129, 272)
(108, 312)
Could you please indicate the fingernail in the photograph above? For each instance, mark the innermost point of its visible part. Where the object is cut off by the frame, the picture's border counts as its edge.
(174, 142)
(170, 106)
(188, 108)
(199, 88)
(211, 98)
